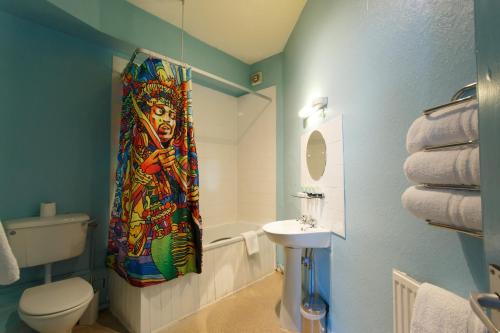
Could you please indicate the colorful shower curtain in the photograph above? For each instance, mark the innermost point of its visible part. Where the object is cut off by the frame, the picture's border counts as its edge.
(155, 227)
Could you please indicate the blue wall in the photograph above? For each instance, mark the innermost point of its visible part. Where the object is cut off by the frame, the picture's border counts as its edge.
(55, 121)
(55, 93)
(380, 63)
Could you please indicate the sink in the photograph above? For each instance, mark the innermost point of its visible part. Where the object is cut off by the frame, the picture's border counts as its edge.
(294, 237)
(291, 233)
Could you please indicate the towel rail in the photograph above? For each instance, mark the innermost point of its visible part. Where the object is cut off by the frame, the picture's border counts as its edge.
(465, 231)
(456, 99)
(459, 94)
(452, 145)
(478, 301)
(475, 188)
(455, 102)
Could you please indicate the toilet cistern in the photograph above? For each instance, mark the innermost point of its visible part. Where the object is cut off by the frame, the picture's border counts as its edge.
(53, 307)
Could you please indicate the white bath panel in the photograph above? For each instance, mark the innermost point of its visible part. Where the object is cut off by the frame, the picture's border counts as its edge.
(207, 279)
(258, 264)
(255, 265)
(226, 269)
(125, 303)
(153, 299)
(185, 292)
(269, 258)
(167, 303)
(241, 266)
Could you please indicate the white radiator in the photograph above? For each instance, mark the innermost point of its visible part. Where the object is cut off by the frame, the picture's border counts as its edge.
(404, 290)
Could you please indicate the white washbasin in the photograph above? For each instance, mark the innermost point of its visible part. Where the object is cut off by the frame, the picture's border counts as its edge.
(294, 237)
(289, 233)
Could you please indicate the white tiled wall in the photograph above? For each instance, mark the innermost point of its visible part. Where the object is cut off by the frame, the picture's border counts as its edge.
(257, 158)
(226, 269)
(329, 211)
(215, 123)
(236, 143)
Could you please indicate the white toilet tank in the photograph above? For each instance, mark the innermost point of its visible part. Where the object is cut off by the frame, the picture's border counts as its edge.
(42, 240)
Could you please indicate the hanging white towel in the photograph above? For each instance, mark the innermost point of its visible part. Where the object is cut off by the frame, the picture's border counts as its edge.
(456, 166)
(454, 124)
(9, 269)
(451, 207)
(439, 311)
(251, 241)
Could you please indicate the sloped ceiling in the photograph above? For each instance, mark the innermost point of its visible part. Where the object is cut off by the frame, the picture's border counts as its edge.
(250, 30)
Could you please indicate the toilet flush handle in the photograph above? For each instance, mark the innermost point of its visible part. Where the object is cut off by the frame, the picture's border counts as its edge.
(90, 223)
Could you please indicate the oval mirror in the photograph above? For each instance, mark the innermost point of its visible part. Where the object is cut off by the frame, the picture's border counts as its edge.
(316, 155)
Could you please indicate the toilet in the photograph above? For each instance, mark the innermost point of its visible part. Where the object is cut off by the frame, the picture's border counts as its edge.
(53, 307)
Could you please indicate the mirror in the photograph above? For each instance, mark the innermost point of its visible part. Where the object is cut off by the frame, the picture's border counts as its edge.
(316, 155)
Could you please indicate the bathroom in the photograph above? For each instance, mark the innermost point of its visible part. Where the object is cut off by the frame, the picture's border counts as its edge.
(266, 76)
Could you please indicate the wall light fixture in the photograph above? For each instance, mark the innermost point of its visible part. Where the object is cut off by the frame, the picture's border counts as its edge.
(318, 105)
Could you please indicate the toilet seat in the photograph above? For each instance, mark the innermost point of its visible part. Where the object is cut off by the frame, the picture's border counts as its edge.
(56, 297)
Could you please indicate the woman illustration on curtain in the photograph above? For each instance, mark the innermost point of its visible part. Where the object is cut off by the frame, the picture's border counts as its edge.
(155, 230)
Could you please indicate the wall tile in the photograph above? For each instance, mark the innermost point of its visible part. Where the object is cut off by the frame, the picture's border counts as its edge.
(257, 158)
(330, 211)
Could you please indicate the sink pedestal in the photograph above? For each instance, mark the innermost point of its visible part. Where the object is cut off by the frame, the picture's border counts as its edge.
(294, 237)
(291, 298)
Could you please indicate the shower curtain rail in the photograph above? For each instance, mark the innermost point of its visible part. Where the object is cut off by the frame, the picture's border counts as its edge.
(196, 70)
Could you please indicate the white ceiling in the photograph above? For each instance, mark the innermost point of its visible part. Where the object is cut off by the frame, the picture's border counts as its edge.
(250, 30)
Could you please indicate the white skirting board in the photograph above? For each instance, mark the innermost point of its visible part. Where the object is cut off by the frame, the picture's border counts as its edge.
(404, 291)
(226, 269)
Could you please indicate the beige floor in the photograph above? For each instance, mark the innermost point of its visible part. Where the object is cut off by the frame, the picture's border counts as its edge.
(251, 310)
(105, 324)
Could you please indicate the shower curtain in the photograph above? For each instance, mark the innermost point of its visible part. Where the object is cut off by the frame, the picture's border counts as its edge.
(155, 227)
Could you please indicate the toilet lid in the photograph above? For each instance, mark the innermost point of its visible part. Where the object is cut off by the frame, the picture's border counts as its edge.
(55, 297)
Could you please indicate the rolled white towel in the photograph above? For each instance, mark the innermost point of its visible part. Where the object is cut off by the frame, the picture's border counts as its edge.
(9, 269)
(456, 166)
(453, 124)
(451, 207)
(438, 310)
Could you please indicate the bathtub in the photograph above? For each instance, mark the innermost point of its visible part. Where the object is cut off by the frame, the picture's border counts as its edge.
(228, 233)
(226, 269)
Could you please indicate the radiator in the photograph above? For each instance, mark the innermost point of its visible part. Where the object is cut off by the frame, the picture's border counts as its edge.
(404, 290)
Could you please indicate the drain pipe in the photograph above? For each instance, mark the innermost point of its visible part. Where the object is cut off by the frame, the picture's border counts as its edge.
(313, 309)
(308, 263)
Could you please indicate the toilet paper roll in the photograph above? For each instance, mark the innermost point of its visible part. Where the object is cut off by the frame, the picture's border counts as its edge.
(47, 209)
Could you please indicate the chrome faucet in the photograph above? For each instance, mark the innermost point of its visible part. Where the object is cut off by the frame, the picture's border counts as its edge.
(307, 221)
